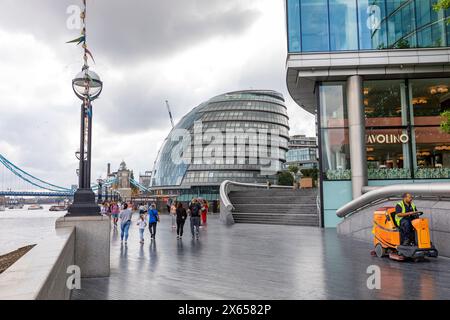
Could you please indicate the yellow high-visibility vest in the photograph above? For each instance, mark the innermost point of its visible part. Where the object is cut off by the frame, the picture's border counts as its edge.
(402, 205)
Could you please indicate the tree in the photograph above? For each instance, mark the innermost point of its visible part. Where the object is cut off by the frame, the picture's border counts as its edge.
(442, 5)
(285, 178)
(294, 169)
(445, 124)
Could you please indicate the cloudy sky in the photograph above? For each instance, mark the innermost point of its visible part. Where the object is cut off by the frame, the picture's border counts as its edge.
(146, 51)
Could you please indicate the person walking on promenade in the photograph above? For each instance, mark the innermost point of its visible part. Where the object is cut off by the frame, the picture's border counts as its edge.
(153, 219)
(115, 210)
(142, 225)
(169, 204)
(195, 208)
(173, 213)
(142, 209)
(181, 219)
(125, 222)
(104, 208)
(204, 212)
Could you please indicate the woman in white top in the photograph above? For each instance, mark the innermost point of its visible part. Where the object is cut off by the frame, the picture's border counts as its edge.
(142, 225)
(173, 213)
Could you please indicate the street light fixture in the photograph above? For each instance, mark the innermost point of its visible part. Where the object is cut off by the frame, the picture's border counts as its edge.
(87, 86)
(95, 85)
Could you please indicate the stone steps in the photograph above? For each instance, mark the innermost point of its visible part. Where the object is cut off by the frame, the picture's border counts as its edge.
(311, 220)
(277, 199)
(276, 206)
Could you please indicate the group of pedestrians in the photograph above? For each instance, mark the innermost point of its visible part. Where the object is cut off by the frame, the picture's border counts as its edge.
(111, 209)
(149, 217)
(197, 210)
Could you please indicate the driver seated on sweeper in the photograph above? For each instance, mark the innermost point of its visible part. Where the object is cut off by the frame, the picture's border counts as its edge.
(405, 213)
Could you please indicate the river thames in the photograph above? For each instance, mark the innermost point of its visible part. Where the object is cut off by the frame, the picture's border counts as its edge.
(23, 227)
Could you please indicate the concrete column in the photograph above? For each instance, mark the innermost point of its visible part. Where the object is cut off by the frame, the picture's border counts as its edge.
(357, 134)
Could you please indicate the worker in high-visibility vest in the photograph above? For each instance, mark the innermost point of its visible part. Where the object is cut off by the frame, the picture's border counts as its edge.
(405, 213)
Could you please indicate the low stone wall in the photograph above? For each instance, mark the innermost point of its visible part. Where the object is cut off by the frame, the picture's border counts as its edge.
(359, 225)
(92, 243)
(41, 274)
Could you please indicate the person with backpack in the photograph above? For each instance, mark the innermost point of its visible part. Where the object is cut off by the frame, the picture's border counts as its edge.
(153, 219)
(195, 208)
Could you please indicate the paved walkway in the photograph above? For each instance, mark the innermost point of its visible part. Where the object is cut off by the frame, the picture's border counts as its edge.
(258, 262)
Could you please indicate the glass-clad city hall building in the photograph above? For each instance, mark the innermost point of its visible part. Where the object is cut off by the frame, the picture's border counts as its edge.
(377, 74)
(235, 136)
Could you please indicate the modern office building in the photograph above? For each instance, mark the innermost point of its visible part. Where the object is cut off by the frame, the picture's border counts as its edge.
(377, 75)
(302, 152)
(257, 124)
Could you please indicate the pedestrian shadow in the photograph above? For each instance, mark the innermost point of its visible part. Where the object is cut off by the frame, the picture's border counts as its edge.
(180, 249)
(115, 234)
(153, 255)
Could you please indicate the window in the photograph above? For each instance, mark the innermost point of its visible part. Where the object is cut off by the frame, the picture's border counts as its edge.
(336, 154)
(385, 103)
(334, 132)
(336, 25)
(387, 135)
(333, 113)
(388, 154)
(372, 24)
(403, 135)
(432, 153)
(314, 25)
(430, 97)
(343, 23)
(294, 25)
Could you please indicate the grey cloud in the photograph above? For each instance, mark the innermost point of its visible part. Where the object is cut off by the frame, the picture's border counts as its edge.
(126, 31)
(138, 108)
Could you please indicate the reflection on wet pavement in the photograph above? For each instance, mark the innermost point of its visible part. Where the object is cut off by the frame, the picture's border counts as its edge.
(259, 262)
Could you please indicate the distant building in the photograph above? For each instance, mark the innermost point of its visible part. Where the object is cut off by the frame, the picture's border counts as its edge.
(242, 113)
(145, 179)
(123, 176)
(302, 152)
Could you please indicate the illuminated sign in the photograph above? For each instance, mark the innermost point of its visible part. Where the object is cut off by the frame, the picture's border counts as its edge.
(387, 138)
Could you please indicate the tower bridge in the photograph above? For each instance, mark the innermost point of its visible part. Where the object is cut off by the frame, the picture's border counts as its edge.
(16, 182)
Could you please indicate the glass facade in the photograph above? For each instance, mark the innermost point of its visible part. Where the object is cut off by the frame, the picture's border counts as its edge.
(403, 135)
(348, 25)
(304, 157)
(258, 123)
(334, 131)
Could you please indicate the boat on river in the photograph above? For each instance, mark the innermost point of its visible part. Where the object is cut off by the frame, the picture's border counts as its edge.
(58, 208)
(35, 207)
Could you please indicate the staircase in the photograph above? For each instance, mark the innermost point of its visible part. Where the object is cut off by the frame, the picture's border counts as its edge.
(276, 206)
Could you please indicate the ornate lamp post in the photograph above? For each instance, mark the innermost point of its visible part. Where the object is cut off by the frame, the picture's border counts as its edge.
(87, 86)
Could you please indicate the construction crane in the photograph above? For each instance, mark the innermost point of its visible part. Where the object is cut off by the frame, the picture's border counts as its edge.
(170, 114)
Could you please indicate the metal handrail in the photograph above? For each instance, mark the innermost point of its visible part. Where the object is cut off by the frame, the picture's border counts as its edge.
(227, 183)
(418, 189)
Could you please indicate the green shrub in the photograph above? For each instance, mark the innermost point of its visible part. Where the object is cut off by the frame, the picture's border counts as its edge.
(285, 178)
